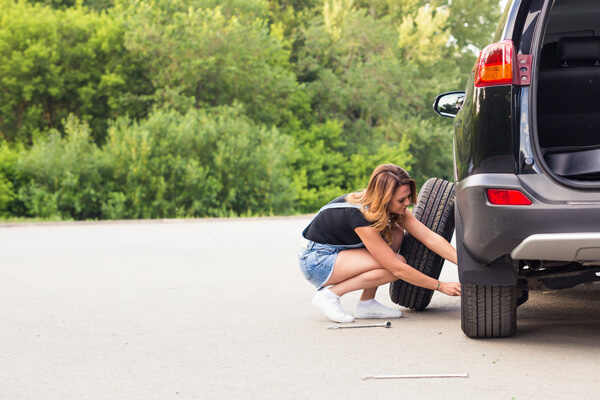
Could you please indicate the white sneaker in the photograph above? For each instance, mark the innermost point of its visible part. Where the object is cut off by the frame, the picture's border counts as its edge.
(329, 304)
(373, 309)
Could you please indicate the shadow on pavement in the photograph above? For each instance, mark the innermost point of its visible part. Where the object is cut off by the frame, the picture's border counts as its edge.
(564, 316)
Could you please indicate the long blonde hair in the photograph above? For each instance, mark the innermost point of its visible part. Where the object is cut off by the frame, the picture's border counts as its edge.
(375, 199)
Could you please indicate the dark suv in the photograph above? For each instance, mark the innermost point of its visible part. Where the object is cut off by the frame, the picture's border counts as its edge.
(527, 161)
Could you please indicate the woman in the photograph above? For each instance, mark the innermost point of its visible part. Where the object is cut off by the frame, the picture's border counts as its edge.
(353, 243)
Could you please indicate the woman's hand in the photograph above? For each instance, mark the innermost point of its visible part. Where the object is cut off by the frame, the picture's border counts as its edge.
(450, 288)
(385, 256)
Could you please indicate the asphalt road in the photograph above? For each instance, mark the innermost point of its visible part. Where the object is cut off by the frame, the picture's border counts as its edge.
(218, 309)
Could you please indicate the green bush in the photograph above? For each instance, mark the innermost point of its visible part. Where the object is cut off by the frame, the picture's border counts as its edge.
(56, 62)
(6, 195)
(260, 106)
(208, 57)
(62, 175)
(197, 164)
(10, 180)
(93, 4)
(323, 171)
(432, 146)
(377, 75)
(200, 163)
(319, 167)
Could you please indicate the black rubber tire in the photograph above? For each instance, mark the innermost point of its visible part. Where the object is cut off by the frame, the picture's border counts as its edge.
(522, 297)
(435, 209)
(489, 311)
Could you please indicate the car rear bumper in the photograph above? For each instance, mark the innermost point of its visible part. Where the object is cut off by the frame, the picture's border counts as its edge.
(571, 247)
(491, 231)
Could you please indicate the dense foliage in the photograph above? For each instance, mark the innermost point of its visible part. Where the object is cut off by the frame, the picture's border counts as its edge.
(169, 108)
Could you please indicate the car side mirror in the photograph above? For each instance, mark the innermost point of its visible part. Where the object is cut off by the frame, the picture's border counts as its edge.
(449, 104)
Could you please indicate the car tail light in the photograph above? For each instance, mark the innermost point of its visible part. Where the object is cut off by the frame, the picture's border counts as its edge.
(495, 65)
(507, 197)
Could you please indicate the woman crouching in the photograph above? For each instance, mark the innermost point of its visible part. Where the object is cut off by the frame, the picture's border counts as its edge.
(353, 243)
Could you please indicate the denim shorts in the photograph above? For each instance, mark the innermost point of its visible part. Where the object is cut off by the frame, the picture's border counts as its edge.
(317, 261)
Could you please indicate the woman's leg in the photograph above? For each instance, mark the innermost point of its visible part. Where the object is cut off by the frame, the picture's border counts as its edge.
(357, 269)
(356, 264)
(397, 237)
(353, 270)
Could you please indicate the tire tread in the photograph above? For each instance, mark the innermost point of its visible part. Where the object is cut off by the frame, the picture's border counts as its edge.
(488, 311)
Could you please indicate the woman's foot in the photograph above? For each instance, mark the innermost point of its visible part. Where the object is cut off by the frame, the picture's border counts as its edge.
(329, 304)
(374, 309)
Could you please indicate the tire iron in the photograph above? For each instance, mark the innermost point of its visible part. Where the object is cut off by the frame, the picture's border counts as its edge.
(465, 375)
(386, 324)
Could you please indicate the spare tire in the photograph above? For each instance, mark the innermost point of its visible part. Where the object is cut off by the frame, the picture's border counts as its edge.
(435, 209)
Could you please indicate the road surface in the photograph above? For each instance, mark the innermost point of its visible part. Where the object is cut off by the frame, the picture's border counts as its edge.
(218, 309)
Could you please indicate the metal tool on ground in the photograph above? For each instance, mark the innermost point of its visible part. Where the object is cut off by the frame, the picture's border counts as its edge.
(386, 324)
(415, 376)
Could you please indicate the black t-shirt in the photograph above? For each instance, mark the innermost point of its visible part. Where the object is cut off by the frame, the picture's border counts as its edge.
(336, 225)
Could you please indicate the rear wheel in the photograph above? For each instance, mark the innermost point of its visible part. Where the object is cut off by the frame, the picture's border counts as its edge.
(489, 311)
(435, 209)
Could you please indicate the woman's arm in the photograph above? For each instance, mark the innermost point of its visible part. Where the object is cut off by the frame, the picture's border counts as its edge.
(430, 239)
(386, 257)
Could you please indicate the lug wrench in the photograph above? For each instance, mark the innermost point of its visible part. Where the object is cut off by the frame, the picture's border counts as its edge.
(386, 324)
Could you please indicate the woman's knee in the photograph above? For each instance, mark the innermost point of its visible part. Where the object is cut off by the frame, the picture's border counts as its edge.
(351, 263)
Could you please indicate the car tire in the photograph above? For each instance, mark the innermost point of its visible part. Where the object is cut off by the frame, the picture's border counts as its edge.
(489, 311)
(522, 297)
(435, 209)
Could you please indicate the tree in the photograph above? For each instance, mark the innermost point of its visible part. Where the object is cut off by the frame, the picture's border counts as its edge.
(378, 77)
(56, 62)
(206, 57)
